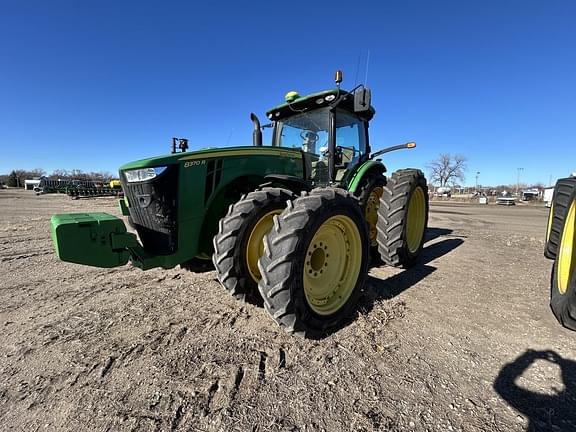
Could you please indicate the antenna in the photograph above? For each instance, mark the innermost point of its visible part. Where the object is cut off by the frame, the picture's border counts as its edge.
(367, 66)
(229, 137)
(357, 68)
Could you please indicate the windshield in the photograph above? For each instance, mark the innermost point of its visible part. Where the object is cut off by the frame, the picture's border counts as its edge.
(308, 131)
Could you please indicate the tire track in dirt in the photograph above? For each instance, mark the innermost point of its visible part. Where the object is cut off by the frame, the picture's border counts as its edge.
(12, 257)
(20, 238)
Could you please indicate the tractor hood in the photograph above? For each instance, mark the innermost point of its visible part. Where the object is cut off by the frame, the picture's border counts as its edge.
(172, 159)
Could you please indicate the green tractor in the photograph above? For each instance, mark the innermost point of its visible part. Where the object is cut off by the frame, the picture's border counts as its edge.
(291, 225)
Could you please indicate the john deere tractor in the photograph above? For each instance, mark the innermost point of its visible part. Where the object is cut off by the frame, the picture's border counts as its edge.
(291, 225)
(561, 247)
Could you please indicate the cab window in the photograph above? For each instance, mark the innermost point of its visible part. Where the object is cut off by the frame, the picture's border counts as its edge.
(350, 137)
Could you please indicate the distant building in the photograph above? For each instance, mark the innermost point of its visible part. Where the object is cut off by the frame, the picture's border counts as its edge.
(31, 184)
(548, 195)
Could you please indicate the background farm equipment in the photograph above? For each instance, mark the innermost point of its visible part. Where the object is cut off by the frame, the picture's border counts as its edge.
(79, 188)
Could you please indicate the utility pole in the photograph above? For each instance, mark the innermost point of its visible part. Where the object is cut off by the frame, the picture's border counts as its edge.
(476, 188)
(518, 181)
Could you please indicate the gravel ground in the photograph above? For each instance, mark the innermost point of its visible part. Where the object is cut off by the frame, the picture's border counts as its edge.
(464, 341)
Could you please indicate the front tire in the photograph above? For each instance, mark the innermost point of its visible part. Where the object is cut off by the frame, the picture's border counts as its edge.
(238, 244)
(403, 218)
(315, 262)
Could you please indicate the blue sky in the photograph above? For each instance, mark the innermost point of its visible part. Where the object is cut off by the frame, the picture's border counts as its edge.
(94, 84)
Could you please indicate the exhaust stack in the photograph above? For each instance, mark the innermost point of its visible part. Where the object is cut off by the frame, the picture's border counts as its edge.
(257, 134)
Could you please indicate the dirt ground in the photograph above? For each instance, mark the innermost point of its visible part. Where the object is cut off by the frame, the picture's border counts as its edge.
(464, 341)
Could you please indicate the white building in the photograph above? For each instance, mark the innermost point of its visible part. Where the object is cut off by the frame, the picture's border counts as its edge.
(31, 184)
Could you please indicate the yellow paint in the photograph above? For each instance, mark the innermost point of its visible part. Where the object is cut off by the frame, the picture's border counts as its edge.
(332, 265)
(416, 219)
(271, 151)
(566, 251)
(255, 244)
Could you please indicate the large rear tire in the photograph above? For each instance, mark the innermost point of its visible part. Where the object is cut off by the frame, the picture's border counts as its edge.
(563, 194)
(238, 244)
(403, 218)
(370, 192)
(315, 262)
(563, 280)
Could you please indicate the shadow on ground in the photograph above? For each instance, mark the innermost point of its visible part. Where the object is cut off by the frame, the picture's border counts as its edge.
(433, 233)
(385, 289)
(544, 412)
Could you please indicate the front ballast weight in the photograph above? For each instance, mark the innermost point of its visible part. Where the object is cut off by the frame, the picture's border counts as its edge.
(98, 240)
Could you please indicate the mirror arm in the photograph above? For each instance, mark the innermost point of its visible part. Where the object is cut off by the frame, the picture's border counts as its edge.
(408, 145)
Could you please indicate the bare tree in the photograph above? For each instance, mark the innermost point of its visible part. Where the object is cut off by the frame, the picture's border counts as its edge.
(446, 169)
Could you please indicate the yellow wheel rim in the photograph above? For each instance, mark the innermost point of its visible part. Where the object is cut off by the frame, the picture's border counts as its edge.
(371, 212)
(332, 265)
(550, 218)
(255, 244)
(416, 220)
(566, 251)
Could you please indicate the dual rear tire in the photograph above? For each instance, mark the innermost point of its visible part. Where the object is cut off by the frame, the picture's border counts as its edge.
(396, 213)
(403, 218)
(306, 258)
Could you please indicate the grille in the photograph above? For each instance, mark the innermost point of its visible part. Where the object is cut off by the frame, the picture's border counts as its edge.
(153, 206)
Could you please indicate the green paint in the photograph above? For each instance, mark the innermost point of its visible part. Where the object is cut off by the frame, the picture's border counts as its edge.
(362, 170)
(123, 205)
(209, 153)
(91, 239)
(101, 240)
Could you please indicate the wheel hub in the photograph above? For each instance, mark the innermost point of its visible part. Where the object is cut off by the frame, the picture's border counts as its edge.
(330, 269)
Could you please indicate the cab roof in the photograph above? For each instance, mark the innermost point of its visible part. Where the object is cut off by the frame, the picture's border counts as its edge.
(318, 100)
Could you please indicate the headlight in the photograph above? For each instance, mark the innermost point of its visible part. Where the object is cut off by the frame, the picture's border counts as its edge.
(144, 174)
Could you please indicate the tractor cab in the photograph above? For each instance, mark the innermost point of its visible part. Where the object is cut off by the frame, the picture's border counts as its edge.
(329, 127)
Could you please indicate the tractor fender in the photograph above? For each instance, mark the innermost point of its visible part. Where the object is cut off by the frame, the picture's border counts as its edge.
(366, 168)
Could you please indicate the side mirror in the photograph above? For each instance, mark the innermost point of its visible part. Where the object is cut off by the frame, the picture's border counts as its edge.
(362, 98)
